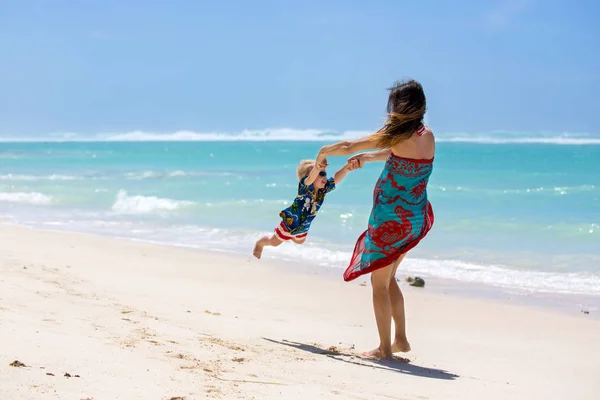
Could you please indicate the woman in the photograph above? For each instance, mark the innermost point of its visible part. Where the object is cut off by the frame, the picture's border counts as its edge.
(401, 215)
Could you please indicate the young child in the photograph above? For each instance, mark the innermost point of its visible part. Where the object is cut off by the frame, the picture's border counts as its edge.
(312, 189)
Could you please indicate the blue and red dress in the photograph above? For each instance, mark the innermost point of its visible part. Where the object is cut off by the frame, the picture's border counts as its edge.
(401, 216)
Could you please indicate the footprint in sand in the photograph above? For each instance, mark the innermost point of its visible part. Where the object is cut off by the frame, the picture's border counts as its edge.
(223, 343)
(178, 356)
(145, 314)
(213, 390)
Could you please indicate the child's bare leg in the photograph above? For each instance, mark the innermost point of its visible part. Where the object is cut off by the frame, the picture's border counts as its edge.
(266, 240)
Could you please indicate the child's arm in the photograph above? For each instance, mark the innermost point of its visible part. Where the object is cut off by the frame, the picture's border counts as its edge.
(341, 174)
(312, 176)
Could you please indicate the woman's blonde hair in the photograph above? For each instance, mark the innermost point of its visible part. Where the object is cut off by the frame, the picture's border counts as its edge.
(406, 108)
(305, 167)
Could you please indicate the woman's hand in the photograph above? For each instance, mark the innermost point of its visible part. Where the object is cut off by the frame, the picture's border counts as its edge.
(357, 161)
(353, 164)
(321, 161)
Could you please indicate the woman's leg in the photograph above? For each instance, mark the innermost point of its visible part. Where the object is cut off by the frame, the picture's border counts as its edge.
(380, 280)
(397, 302)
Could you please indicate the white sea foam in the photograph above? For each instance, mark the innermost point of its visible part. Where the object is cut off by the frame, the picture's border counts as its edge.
(33, 198)
(282, 134)
(327, 255)
(178, 173)
(143, 175)
(520, 138)
(172, 174)
(582, 283)
(53, 177)
(316, 252)
(553, 190)
(555, 140)
(535, 281)
(145, 204)
(289, 134)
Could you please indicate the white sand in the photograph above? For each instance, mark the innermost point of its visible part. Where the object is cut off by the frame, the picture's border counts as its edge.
(139, 321)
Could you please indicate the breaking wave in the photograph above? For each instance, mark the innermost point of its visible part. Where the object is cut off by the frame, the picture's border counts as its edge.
(126, 204)
(288, 134)
(33, 198)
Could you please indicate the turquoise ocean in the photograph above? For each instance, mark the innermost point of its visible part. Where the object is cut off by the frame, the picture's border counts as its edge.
(517, 211)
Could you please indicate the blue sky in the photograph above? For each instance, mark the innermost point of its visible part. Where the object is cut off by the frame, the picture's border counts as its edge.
(162, 66)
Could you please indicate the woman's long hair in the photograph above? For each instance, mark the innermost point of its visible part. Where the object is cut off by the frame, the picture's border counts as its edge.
(406, 108)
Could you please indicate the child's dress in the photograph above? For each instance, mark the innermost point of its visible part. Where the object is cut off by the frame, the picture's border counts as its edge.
(400, 218)
(296, 219)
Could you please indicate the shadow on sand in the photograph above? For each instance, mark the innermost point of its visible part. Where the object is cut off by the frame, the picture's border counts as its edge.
(397, 365)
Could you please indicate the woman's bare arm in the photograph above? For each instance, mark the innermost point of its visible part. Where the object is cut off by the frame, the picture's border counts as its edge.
(346, 148)
(379, 155)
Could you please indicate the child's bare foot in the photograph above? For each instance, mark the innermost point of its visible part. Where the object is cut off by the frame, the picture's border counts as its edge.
(377, 353)
(257, 252)
(400, 346)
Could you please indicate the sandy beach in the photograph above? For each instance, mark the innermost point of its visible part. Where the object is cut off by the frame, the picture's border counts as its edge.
(99, 318)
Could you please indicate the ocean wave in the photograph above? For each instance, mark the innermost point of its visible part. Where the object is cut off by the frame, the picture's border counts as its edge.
(289, 134)
(173, 174)
(575, 282)
(53, 177)
(33, 198)
(521, 138)
(317, 252)
(554, 190)
(535, 281)
(126, 204)
(326, 254)
(143, 175)
(275, 134)
(557, 141)
(283, 134)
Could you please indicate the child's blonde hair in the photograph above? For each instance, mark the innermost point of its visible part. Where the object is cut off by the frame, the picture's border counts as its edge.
(305, 167)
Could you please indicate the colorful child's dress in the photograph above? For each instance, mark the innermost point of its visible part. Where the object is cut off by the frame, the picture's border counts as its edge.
(296, 219)
(401, 216)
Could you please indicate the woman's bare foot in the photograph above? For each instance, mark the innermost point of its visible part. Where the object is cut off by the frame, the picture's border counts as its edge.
(400, 346)
(377, 353)
(257, 252)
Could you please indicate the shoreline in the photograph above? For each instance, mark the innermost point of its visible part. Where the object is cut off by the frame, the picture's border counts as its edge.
(569, 303)
(131, 320)
(563, 303)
